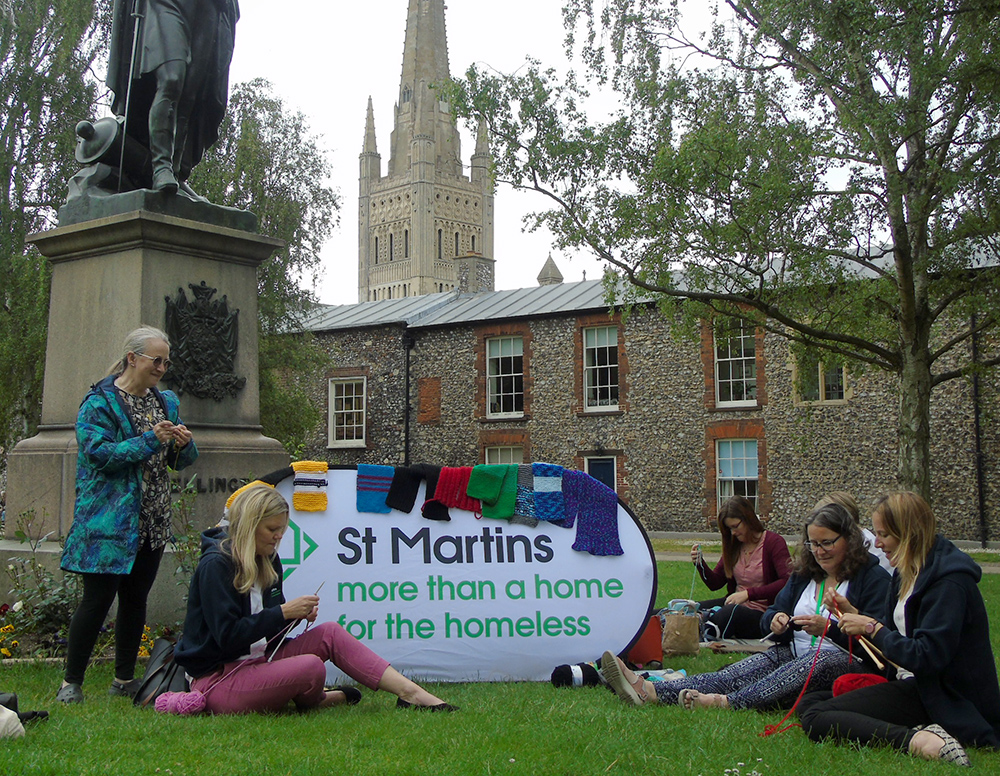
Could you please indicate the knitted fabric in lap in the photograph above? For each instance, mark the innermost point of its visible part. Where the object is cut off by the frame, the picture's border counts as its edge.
(595, 506)
(549, 505)
(372, 488)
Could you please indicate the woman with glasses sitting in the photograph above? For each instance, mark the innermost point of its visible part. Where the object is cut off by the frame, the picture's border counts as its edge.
(833, 557)
(128, 432)
(753, 568)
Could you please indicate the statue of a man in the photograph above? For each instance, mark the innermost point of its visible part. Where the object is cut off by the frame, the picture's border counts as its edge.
(169, 70)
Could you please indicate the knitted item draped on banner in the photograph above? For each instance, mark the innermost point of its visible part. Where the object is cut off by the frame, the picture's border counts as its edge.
(309, 486)
(372, 488)
(595, 507)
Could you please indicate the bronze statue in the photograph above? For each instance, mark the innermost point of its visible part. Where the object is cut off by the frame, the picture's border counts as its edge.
(169, 71)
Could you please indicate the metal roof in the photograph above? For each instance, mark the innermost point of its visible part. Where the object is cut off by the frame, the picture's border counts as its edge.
(453, 308)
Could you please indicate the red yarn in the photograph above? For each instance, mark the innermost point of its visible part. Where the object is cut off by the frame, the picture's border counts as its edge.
(770, 730)
(849, 682)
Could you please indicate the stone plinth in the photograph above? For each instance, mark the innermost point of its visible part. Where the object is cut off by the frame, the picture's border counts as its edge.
(109, 276)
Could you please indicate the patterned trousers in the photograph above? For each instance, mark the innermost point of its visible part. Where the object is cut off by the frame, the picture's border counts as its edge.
(766, 680)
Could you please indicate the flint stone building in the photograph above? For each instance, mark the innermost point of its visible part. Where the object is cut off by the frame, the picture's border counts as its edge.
(549, 374)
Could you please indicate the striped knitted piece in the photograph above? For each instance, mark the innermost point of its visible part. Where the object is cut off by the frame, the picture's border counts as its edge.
(309, 486)
(372, 488)
(595, 506)
(524, 503)
(547, 485)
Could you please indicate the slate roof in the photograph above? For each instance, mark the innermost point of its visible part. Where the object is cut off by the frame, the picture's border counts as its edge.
(454, 308)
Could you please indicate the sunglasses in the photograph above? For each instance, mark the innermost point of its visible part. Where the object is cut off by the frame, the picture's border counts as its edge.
(158, 361)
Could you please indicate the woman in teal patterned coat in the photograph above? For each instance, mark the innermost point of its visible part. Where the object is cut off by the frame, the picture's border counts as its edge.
(128, 432)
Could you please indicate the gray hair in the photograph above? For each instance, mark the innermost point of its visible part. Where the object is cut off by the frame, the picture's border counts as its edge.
(136, 341)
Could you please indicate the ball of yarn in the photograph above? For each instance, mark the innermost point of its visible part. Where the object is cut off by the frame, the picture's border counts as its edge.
(849, 682)
(181, 702)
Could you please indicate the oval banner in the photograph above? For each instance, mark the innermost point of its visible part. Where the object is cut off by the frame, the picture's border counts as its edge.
(467, 599)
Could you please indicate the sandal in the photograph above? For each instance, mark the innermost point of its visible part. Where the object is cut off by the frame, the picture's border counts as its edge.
(951, 751)
(689, 699)
(629, 692)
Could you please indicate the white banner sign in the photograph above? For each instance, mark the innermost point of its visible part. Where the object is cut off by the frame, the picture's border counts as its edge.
(469, 599)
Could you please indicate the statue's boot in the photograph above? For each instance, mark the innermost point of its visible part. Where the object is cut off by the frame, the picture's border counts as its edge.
(162, 131)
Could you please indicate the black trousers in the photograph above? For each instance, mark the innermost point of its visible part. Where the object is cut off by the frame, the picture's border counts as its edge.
(879, 714)
(734, 621)
(99, 591)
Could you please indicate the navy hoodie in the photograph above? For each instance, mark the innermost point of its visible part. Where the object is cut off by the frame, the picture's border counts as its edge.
(948, 649)
(219, 628)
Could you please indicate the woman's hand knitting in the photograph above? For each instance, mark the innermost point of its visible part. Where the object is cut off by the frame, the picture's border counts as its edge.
(305, 607)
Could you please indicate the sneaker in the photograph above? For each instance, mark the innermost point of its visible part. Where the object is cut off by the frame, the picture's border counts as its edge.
(126, 690)
(71, 693)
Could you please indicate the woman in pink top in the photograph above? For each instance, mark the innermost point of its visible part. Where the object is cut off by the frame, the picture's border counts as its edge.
(754, 566)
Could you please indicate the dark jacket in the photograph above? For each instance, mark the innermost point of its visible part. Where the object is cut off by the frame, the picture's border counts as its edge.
(219, 628)
(104, 536)
(866, 590)
(777, 567)
(948, 649)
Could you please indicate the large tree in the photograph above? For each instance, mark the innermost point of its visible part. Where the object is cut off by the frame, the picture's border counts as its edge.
(47, 50)
(267, 161)
(825, 169)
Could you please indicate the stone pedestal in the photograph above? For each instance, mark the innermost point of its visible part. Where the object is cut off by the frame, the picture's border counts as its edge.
(109, 276)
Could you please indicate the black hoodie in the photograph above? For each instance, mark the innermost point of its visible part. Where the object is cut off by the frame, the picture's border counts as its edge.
(219, 628)
(948, 649)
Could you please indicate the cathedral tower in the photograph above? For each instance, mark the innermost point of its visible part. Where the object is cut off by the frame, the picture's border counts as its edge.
(424, 227)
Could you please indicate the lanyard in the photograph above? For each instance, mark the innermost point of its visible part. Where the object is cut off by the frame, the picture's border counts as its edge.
(819, 606)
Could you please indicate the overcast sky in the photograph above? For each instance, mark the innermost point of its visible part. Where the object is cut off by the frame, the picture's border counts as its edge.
(325, 59)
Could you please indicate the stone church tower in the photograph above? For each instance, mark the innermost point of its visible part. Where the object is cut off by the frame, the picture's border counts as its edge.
(424, 227)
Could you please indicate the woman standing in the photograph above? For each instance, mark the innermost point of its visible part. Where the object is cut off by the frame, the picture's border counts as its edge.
(237, 616)
(754, 566)
(935, 632)
(833, 557)
(128, 432)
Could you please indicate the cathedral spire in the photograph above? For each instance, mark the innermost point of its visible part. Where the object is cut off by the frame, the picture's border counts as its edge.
(370, 146)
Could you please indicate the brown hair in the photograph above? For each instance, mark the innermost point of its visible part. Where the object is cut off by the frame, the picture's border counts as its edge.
(839, 520)
(735, 508)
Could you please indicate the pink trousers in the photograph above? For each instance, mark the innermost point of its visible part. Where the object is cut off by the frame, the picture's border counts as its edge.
(297, 673)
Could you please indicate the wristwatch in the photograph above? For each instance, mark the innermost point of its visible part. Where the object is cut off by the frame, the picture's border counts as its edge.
(871, 626)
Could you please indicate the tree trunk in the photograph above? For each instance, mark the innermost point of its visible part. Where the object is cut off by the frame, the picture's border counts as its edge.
(915, 420)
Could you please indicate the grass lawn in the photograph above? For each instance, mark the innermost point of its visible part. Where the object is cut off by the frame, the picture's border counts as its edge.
(516, 728)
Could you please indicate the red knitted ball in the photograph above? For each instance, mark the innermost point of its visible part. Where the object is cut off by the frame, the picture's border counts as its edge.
(849, 682)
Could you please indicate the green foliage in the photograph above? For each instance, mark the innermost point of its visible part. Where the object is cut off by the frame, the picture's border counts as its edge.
(826, 171)
(44, 599)
(267, 161)
(47, 51)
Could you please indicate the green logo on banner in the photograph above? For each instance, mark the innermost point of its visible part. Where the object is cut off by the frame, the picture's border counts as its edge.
(302, 548)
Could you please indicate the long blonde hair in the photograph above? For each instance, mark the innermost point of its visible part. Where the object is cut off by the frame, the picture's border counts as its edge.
(907, 518)
(248, 510)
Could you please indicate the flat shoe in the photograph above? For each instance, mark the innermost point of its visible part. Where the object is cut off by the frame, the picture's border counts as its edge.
(71, 693)
(401, 704)
(952, 751)
(127, 690)
(685, 699)
(616, 681)
(352, 694)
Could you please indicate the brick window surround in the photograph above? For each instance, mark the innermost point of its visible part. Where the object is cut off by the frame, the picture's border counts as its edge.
(587, 322)
(512, 437)
(708, 367)
(491, 331)
(621, 467)
(348, 373)
(735, 429)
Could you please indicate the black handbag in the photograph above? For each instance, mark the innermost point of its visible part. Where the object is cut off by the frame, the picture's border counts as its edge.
(162, 674)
